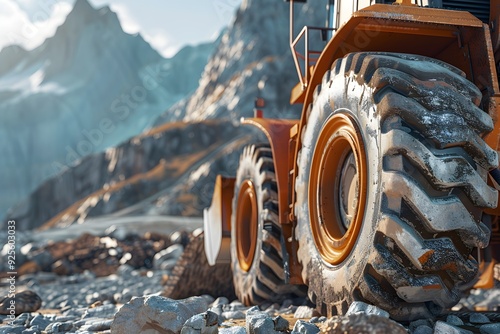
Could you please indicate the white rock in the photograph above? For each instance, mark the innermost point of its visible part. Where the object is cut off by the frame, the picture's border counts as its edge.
(258, 322)
(155, 311)
(444, 328)
(303, 327)
(204, 323)
(235, 306)
(220, 301)
(360, 307)
(303, 312)
(253, 316)
(261, 325)
(233, 330)
(217, 310)
(233, 315)
(254, 310)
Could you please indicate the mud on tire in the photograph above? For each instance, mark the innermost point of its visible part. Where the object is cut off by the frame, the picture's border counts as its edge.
(256, 256)
(423, 188)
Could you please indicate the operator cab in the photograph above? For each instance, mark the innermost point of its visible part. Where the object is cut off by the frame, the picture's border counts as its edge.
(306, 46)
(340, 11)
(478, 8)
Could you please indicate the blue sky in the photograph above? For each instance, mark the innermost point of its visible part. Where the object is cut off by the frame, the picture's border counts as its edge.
(166, 24)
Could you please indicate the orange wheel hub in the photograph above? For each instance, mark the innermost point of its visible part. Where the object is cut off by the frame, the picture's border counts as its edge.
(337, 188)
(246, 225)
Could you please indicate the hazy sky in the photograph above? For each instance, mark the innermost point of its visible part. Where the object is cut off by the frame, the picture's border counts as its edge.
(165, 24)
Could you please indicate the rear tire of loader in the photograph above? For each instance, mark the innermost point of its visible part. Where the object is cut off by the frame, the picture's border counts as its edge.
(256, 257)
(391, 185)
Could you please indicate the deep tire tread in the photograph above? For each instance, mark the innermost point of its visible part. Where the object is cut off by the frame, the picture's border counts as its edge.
(403, 91)
(429, 117)
(400, 142)
(264, 282)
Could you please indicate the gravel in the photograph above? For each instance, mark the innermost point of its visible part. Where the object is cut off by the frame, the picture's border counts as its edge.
(83, 303)
(87, 303)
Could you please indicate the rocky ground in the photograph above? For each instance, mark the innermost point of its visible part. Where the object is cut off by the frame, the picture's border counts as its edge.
(119, 283)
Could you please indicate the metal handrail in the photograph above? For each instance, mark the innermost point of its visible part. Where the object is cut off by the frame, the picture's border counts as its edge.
(310, 57)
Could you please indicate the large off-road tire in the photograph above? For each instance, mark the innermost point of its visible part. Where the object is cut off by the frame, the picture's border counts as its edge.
(256, 257)
(391, 185)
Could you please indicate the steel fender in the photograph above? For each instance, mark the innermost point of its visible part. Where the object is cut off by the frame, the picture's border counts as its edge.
(282, 135)
(278, 133)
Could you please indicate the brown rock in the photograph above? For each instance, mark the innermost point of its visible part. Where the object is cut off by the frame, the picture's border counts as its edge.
(23, 302)
(361, 324)
(29, 267)
(62, 267)
(96, 304)
(102, 256)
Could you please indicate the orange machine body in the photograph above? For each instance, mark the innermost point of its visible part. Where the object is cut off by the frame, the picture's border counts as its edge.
(455, 37)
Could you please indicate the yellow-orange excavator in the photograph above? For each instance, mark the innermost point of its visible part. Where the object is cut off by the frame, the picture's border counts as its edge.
(385, 189)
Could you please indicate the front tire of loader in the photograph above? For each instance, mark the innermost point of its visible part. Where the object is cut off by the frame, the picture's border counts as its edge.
(391, 185)
(256, 257)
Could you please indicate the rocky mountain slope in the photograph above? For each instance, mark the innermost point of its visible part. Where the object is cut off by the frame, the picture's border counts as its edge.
(248, 62)
(89, 87)
(169, 170)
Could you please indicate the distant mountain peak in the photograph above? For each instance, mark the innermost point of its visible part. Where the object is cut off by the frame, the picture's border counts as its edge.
(83, 3)
(83, 7)
(84, 13)
(80, 18)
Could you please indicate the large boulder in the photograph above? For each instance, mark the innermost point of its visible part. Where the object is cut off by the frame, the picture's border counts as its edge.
(156, 314)
(22, 302)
